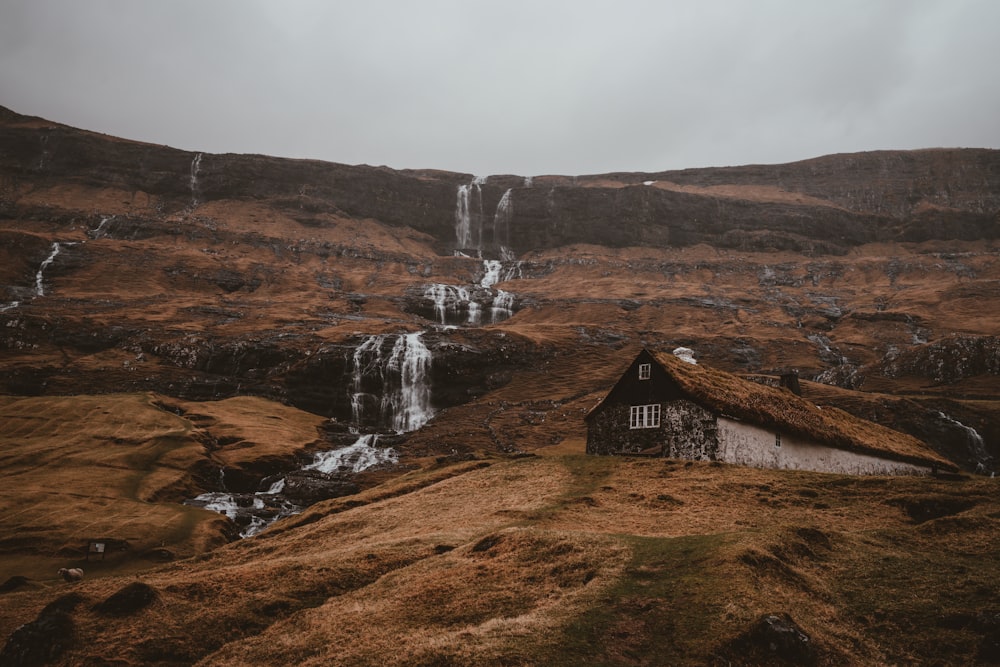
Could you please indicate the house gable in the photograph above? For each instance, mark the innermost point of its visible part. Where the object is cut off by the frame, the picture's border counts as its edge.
(630, 390)
(682, 428)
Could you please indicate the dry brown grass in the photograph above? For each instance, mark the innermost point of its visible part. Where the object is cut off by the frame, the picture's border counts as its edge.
(566, 559)
(88, 467)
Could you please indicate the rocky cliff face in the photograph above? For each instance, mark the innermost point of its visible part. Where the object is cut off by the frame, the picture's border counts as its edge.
(820, 206)
(128, 266)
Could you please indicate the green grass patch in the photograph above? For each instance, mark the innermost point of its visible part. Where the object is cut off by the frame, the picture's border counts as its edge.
(665, 609)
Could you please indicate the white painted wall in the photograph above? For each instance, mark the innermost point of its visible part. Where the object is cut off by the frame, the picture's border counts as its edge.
(749, 445)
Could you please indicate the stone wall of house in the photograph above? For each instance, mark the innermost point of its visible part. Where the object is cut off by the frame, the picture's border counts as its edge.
(689, 431)
(749, 445)
(686, 431)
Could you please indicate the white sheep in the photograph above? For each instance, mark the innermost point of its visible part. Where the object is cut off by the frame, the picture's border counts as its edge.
(71, 574)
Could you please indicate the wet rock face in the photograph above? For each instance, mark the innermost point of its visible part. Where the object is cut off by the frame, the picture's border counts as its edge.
(949, 360)
(306, 487)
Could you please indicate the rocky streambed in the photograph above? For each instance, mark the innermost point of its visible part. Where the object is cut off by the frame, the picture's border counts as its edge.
(329, 474)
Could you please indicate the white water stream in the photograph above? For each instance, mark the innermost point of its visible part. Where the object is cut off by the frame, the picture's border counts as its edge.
(457, 304)
(398, 367)
(401, 376)
(360, 456)
(502, 218)
(974, 441)
(39, 284)
(469, 214)
(195, 169)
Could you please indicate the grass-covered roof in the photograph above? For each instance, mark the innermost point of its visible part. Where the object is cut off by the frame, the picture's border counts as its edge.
(783, 411)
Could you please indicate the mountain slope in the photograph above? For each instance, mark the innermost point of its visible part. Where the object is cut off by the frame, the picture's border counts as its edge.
(492, 313)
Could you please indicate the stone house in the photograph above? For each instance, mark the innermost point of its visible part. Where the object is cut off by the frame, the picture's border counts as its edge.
(665, 406)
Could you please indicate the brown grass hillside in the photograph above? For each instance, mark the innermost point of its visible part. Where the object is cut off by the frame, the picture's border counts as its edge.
(117, 466)
(204, 314)
(566, 559)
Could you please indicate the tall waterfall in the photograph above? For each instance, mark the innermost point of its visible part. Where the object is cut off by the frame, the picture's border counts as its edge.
(391, 389)
(195, 168)
(501, 220)
(39, 285)
(469, 214)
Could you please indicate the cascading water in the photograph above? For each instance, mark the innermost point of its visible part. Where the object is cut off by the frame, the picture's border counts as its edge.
(469, 214)
(401, 378)
(57, 247)
(39, 285)
(195, 169)
(451, 300)
(501, 220)
(502, 307)
(355, 458)
(455, 305)
(410, 407)
(492, 269)
(974, 441)
(99, 232)
(391, 390)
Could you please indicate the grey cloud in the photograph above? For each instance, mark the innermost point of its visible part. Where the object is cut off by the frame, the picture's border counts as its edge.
(517, 87)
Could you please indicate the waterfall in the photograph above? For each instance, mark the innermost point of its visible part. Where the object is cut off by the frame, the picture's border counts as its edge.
(447, 299)
(497, 271)
(463, 224)
(469, 217)
(363, 454)
(39, 287)
(403, 403)
(973, 439)
(501, 220)
(528, 181)
(411, 407)
(503, 306)
(195, 168)
(401, 379)
(491, 272)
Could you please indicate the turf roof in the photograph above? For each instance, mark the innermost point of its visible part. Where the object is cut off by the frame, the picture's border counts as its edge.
(781, 410)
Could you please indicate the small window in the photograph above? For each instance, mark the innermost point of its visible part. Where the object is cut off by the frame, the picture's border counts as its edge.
(777, 440)
(644, 371)
(644, 416)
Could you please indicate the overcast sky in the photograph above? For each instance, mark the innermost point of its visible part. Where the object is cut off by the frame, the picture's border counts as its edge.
(530, 88)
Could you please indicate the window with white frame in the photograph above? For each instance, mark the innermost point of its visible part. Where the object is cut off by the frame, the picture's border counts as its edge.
(644, 371)
(644, 416)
